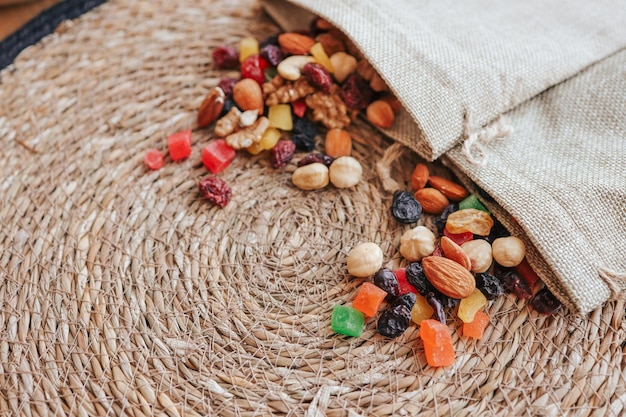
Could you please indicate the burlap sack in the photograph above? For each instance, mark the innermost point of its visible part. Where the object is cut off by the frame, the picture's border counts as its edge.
(562, 173)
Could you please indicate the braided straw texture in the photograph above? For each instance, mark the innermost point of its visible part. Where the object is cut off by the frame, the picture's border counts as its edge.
(123, 292)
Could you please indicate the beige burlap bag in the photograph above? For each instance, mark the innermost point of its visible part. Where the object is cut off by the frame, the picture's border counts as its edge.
(458, 67)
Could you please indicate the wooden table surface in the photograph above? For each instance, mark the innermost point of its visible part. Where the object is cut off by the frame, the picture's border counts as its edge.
(13, 16)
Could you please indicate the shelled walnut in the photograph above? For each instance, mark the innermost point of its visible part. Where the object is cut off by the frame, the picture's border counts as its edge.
(281, 91)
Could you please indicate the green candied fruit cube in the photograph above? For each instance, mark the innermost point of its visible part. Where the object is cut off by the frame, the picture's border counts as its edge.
(472, 201)
(347, 320)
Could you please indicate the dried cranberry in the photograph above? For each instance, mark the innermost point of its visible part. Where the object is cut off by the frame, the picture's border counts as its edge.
(215, 190)
(282, 153)
(356, 92)
(513, 282)
(489, 285)
(386, 280)
(226, 84)
(316, 157)
(303, 142)
(545, 302)
(405, 208)
(225, 57)
(272, 54)
(254, 67)
(394, 321)
(317, 76)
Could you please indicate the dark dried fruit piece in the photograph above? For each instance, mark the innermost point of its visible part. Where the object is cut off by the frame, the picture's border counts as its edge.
(227, 84)
(498, 230)
(489, 285)
(303, 142)
(304, 126)
(394, 321)
(215, 190)
(270, 40)
(437, 305)
(416, 277)
(405, 208)
(356, 92)
(513, 282)
(225, 57)
(545, 302)
(272, 54)
(408, 300)
(229, 103)
(318, 76)
(440, 221)
(282, 153)
(316, 157)
(386, 280)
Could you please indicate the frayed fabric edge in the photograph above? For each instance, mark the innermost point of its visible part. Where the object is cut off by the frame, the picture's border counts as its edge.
(476, 138)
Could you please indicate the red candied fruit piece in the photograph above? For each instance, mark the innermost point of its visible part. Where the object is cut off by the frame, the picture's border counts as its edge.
(299, 107)
(215, 190)
(217, 155)
(254, 67)
(318, 76)
(369, 299)
(225, 57)
(403, 285)
(179, 145)
(154, 159)
(527, 273)
(459, 238)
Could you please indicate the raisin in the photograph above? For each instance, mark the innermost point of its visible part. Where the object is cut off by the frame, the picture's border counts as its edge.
(489, 285)
(437, 305)
(356, 92)
(282, 153)
(448, 302)
(405, 208)
(416, 277)
(229, 103)
(226, 84)
(394, 321)
(545, 302)
(408, 300)
(318, 76)
(513, 282)
(303, 142)
(385, 279)
(498, 230)
(225, 57)
(272, 54)
(470, 220)
(253, 67)
(304, 126)
(316, 157)
(215, 190)
(270, 40)
(440, 221)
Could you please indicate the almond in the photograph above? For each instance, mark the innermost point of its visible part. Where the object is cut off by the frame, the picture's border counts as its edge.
(449, 277)
(248, 95)
(395, 104)
(338, 143)
(295, 43)
(450, 189)
(420, 175)
(432, 200)
(211, 107)
(455, 253)
(380, 114)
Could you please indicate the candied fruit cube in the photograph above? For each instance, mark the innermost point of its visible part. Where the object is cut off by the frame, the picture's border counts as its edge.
(299, 107)
(437, 356)
(321, 57)
(217, 155)
(248, 46)
(369, 299)
(472, 201)
(476, 328)
(280, 116)
(154, 159)
(470, 305)
(179, 145)
(421, 309)
(403, 285)
(458, 238)
(269, 139)
(347, 321)
(437, 341)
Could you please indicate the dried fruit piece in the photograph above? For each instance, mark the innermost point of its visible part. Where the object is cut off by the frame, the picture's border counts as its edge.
(476, 328)
(347, 321)
(356, 92)
(508, 251)
(280, 116)
(295, 43)
(215, 190)
(248, 46)
(211, 107)
(227, 84)
(386, 280)
(365, 258)
(317, 76)
(450, 189)
(272, 54)
(154, 159)
(437, 305)
(269, 139)
(514, 283)
(448, 277)
(217, 155)
(394, 321)
(311, 177)
(470, 220)
(225, 57)
(316, 157)
(472, 201)
(321, 57)
(253, 67)
(470, 305)
(437, 340)
(248, 95)
(380, 114)
(305, 127)
(545, 302)
(299, 107)
(431, 200)
(338, 143)
(403, 285)
(416, 243)
(369, 299)
(454, 252)
(179, 145)
(416, 277)
(405, 208)
(419, 177)
(421, 309)
(459, 238)
(527, 273)
(489, 285)
(282, 153)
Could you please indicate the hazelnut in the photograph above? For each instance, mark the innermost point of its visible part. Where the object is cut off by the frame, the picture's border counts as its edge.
(345, 172)
(508, 251)
(417, 243)
(479, 252)
(365, 260)
(310, 177)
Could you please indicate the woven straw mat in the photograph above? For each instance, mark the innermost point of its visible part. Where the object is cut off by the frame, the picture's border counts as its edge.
(124, 292)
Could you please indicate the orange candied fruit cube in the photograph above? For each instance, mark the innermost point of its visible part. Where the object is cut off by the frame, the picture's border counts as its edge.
(476, 328)
(437, 339)
(369, 299)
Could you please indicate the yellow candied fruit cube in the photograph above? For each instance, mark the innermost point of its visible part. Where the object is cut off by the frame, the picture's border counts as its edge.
(255, 148)
(321, 57)
(269, 139)
(470, 305)
(280, 116)
(248, 46)
(421, 310)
